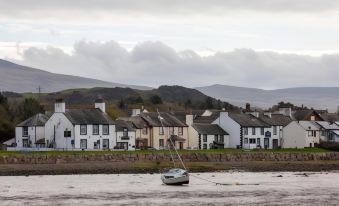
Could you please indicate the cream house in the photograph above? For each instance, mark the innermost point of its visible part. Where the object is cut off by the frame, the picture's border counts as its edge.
(301, 134)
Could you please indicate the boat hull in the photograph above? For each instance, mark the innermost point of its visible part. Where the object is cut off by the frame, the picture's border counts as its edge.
(175, 180)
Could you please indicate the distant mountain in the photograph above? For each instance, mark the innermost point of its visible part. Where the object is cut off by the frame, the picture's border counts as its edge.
(17, 78)
(316, 97)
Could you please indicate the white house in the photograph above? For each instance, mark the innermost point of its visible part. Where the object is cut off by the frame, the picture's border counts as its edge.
(209, 136)
(301, 134)
(247, 131)
(31, 132)
(125, 135)
(80, 128)
(329, 131)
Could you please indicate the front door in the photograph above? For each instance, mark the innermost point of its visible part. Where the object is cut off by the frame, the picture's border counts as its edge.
(275, 144)
(181, 145)
(266, 143)
(105, 144)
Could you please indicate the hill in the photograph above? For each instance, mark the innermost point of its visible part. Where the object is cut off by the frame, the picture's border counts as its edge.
(316, 97)
(18, 78)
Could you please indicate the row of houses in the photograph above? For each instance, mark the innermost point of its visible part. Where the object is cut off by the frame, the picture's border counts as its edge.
(93, 129)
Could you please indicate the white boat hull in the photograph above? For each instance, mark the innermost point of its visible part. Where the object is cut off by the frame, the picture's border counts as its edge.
(178, 177)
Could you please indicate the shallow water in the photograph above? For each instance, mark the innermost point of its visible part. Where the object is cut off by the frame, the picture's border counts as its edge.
(242, 188)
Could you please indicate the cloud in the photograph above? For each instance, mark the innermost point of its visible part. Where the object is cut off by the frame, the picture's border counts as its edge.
(154, 64)
(47, 9)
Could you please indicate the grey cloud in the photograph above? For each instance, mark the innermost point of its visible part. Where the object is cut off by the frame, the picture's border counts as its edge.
(154, 63)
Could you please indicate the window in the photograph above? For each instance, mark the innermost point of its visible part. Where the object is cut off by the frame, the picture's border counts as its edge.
(323, 133)
(204, 138)
(253, 131)
(262, 131)
(25, 131)
(171, 130)
(274, 130)
(125, 132)
(312, 133)
(245, 131)
(258, 141)
(83, 143)
(180, 131)
(252, 140)
(67, 133)
(105, 129)
(205, 146)
(25, 143)
(246, 141)
(221, 138)
(161, 143)
(216, 137)
(95, 129)
(161, 131)
(144, 130)
(83, 129)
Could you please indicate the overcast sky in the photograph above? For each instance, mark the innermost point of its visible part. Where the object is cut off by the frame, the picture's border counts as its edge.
(256, 43)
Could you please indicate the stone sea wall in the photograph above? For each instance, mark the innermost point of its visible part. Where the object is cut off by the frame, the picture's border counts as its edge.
(191, 157)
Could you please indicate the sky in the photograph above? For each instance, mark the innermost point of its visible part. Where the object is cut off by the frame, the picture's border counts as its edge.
(266, 44)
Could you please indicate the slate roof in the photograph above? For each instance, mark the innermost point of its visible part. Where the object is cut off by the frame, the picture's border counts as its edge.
(168, 120)
(209, 129)
(88, 116)
(137, 121)
(327, 125)
(121, 124)
(330, 117)
(303, 114)
(36, 120)
(246, 120)
(207, 119)
(281, 119)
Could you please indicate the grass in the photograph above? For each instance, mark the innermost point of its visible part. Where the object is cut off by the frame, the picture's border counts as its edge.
(228, 150)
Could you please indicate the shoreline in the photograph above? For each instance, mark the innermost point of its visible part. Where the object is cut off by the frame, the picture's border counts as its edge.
(150, 167)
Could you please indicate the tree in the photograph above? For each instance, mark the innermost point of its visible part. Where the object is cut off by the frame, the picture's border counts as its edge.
(156, 99)
(188, 104)
(121, 104)
(209, 103)
(28, 108)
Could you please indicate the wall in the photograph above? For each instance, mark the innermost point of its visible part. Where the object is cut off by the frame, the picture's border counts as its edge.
(293, 136)
(231, 127)
(156, 136)
(191, 157)
(130, 141)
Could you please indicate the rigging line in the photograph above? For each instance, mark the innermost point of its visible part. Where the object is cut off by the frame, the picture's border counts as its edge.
(162, 125)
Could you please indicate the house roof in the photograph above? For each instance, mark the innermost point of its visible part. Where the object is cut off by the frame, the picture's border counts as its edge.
(281, 119)
(246, 120)
(304, 114)
(137, 121)
(211, 129)
(36, 120)
(308, 125)
(208, 119)
(88, 116)
(168, 120)
(121, 124)
(327, 125)
(330, 117)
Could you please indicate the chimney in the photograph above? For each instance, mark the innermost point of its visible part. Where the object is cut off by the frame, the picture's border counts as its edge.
(287, 111)
(338, 110)
(59, 106)
(269, 114)
(189, 119)
(248, 107)
(135, 112)
(100, 104)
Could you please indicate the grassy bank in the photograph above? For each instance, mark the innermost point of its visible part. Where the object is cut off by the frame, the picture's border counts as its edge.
(230, 151)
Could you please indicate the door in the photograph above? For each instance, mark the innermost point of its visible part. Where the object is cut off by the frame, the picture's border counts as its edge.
(25, 143)
(105, 144)
(266, 143)
(275, 144)
(181, 145)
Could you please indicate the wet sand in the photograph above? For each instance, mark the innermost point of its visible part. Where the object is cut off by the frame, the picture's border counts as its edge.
(244, 188)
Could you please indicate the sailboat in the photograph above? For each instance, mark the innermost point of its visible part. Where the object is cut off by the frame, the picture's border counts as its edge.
(174, 176)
